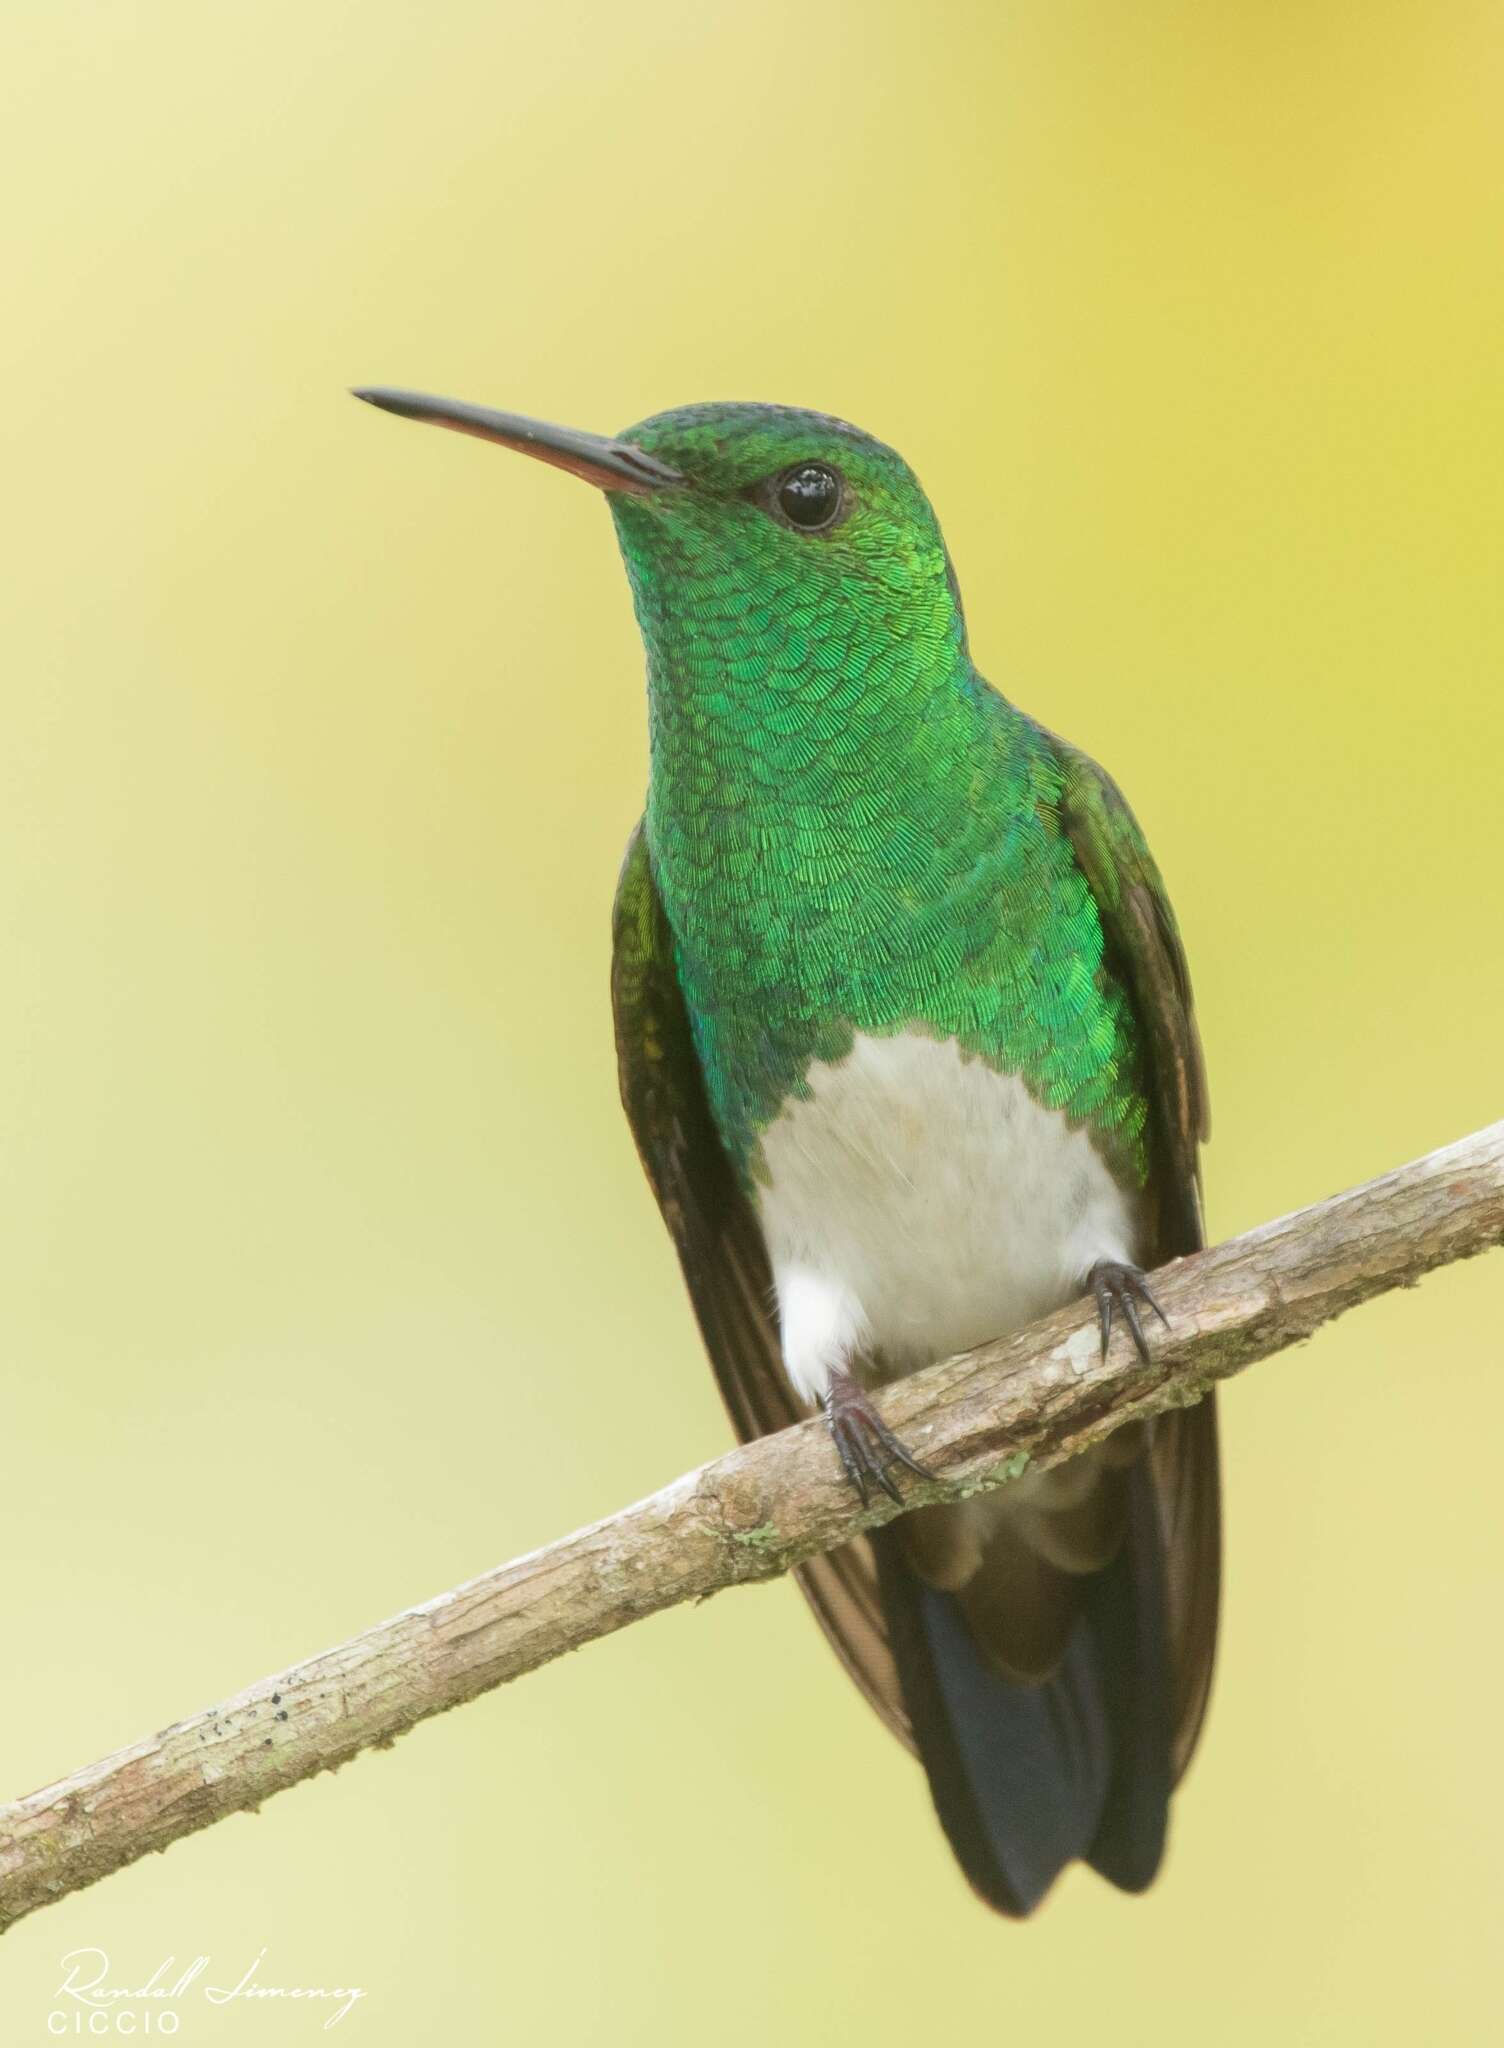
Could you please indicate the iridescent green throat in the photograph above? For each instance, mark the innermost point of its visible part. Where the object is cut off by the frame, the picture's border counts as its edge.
(850, 830)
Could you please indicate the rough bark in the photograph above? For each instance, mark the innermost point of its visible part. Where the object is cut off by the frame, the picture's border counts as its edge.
(1028, 1400)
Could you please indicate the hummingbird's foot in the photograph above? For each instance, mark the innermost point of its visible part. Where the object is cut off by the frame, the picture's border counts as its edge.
(1116, 1286)
(864, 1443)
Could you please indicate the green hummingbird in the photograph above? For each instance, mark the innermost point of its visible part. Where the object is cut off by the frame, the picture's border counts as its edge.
(906, 1039)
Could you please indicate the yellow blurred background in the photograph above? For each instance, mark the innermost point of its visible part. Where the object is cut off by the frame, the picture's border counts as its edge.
(327, 1274)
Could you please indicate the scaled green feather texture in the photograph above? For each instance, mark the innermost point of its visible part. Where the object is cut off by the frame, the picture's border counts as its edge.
(850, 830)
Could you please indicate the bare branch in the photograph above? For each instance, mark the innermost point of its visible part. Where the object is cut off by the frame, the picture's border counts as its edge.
(1032, 1399)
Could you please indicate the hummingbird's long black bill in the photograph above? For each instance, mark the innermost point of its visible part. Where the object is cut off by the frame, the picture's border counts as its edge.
(612, 465)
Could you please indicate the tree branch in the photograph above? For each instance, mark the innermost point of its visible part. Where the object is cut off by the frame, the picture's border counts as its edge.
(1028, 1400)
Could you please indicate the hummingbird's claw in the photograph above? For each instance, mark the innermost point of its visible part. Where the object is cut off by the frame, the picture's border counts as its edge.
(1116, 1286)
(865, 1445)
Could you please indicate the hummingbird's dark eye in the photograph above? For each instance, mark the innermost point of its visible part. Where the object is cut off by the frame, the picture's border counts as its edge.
(809, 497)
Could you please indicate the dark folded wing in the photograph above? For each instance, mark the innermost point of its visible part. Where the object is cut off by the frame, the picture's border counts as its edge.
(1144, 951)
(720, 1247)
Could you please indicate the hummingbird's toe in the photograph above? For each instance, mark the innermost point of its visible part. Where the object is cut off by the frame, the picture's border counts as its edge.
(1114, 1285)
(865, 1445)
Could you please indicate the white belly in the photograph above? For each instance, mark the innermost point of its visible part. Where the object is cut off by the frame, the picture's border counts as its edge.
(919, 1203)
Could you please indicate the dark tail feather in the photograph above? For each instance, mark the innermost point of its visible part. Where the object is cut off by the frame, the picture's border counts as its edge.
(1029, 1778)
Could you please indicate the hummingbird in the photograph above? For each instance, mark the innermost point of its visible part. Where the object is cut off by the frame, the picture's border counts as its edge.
(906, 1040)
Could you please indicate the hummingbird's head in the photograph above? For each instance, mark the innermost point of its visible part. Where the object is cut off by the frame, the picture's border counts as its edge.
(788, 508)
(791, 535)
(758, 538)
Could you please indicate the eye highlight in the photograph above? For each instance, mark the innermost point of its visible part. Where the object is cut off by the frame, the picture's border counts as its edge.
(810, 496)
